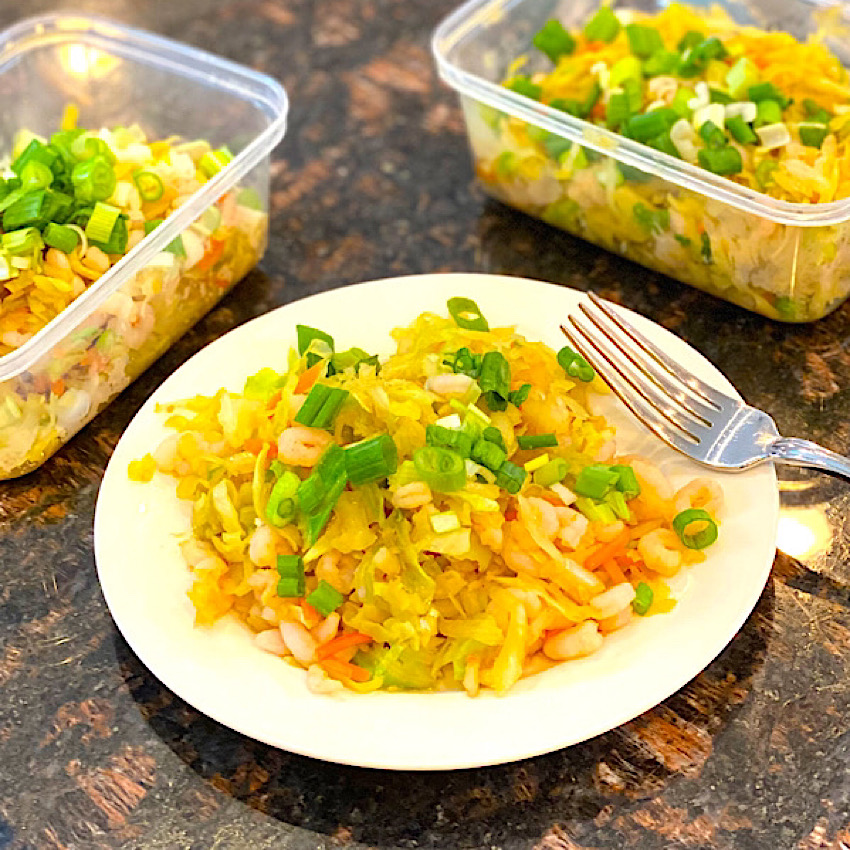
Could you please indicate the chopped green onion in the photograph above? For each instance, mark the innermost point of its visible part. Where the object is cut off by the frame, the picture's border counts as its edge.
(494, 435)
(551, 473)
(537, 441)
(696, 58)
(35, 151)
(93, 180)
(213, 161)
(510, 477)
(441, 469)
(117, 242)
(325, 598)
(522, 85)
(690, 39)
(719, 96)
(741, 76)
(306, 335)
(149, 185)
(102, 222)
(595, 481)
(626, 482)
(467, 314)
(617, 111)
(575, 365)
(741, 131)
(495, 379)
(176, 247)
(617, 502)
(664, 143)
(554, 40)
(291, 584)
(712, 135)
(704, 536)
(705, 247)
(648, 125)
(488, 454)
(679, 104)
(30, 209)
(35, 175)
(85, 146)
(643, 41)
(764, 171)
(519, 395)
(449, 438)
(19, 243)
(280, 508)
(627, 68)
(767, 112)
(643, 598)
(815, 112)
(654, 220)
(321, 406)
(372, 459)
(812, 135)
(152, 225)
(661, 62)
(720, 161)
(62, 238)
(595, 511)
(768, 91)
(603, 26)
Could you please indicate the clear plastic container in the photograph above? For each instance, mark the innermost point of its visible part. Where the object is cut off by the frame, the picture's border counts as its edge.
(788, 261)
(63, 375)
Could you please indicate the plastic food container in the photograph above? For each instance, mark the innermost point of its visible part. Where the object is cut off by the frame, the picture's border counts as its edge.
(789, 261)
(62, 376)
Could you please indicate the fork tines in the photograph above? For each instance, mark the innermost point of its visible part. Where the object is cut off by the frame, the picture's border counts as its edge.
(670, 401)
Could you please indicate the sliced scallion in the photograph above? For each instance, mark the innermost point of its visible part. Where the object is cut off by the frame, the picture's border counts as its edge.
(371, 460)
(441, 469)
(325, 598)
(467, 314)
(699, 537)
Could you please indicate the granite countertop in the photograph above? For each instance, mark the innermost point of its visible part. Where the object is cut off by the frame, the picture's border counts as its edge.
(372, 180)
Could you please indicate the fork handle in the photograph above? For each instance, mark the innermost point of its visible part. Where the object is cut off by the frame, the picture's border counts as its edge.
(806, 453)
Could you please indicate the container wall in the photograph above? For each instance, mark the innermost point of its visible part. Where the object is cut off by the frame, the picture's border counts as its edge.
(71, 377)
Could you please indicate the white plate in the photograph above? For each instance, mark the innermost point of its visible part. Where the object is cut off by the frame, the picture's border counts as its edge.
(219, 671)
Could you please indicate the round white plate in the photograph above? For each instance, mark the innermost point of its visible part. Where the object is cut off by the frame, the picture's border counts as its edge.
(222, 674)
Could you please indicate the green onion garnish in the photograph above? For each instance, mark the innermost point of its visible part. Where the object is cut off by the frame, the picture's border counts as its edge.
(522, 85)
(494, 379)
(519, 395)
(648, 125)
(149, 185)
(595, 481)
(643, 598)
(93, 179)
(741, 131)
(690, 39)
(768, 91)
(449, 438)
(767, 112)
(627, 482)
(30, 209)
(618, 110)
(152, 225)
(102, 222)
(704, 535)
(743, 74)
(488, 454)
(815, 112)
(372, 459)
(712, 135)
(554, 40)
(306, 335)
(35, 151)
(812, 135)
(291, 584)
(575, 365)
(280, 508)
(510, 477)
(537, 441)
(325, 598)
(595, 511)
(441, 469)
(467, 314)
(213, 161)
(59, 236)
(603, 26)
(661, 62)
(551, 473)
(643, 41)
(19, 243)
(764, 172)
(721, 161)
(35, 175)
(494, 435)
(321, 406)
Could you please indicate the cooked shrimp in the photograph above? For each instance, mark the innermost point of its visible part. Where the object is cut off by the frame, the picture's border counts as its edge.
(271, 641)
(572, 526)
(298, 641)
(609, 532)
(261, 549)
(611, 624)
(449, 385)
(605, 453)
(661, 551)
(302, 446)
(517, 547)
(612, 601)
(488, 526)
(337, 570)
(700, 493)
(327, 628)
(576, 642)
(540, 514)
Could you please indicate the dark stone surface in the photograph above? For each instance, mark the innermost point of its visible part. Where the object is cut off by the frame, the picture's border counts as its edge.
(373, 180)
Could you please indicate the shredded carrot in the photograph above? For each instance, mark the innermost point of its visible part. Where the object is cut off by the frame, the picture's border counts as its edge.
(58, 386)
(611, 567)
(254, 445)
(309, 377)
(212, 255)
(608, 550)
(311, 615)
(345, 670)
(642, 528)
(341, 642)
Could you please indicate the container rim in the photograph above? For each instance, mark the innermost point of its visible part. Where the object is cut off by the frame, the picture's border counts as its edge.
(473, 14)
(129, 42)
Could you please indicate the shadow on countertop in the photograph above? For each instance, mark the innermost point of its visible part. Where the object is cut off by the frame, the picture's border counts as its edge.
(594, 784)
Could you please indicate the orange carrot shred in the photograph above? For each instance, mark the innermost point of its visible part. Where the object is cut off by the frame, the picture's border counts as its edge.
(345, 670)
(309, 377)
(341, 642)
(608, 550)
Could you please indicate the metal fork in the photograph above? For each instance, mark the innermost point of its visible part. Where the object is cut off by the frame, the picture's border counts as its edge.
(694, 418)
